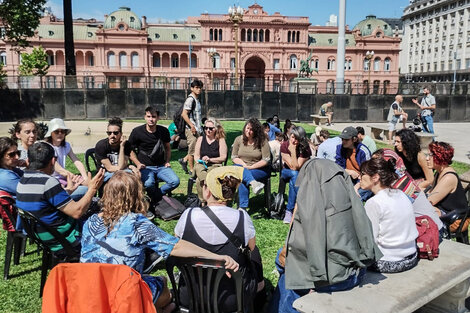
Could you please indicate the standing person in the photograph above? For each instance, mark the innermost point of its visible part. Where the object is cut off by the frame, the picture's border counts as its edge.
(392, 218)
(192, 117)
(26, 131)
(365, 139)
(427, 106)
(151, 154)
(295, 152)
(251, 151)
(113, 152)
(395, 114)
(326, 110)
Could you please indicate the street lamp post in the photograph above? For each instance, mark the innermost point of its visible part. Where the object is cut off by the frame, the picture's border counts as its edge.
(212, 52)
(236, 17)
(369, 56)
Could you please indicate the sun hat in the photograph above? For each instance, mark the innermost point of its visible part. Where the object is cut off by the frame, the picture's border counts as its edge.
(55, 124)
(348, 133)
(216, 175)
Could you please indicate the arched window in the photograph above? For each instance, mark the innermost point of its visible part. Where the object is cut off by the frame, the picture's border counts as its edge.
(298, 36)
(122, 59)
(377, 64)
(50, 57)
(111, 59)
(220, 34)
(216, 61)
(347, 64)
(288, 36)
(293, 62)
(3, 58)
(330, 86)
(248, 35)
(134, 60)
(216, 35)
(255, 35)
(156, 60)
(211, 34)
(174, 60)
(366, 64)
(193, 60)
(331, 64)
(261, 35)
(387, 64)
(90, 59)
(293, 36)
(314, 64)
(243, 34)
(267, 35)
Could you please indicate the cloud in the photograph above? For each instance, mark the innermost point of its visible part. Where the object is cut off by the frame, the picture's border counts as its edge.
(56, 8)
(162, 20)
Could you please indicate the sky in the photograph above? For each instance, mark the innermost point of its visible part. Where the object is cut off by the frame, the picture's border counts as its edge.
(318, 11)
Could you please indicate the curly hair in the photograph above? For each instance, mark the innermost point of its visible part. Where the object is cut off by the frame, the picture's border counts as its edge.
(115, 121)
(410, 142)
(229, 186)
(259, 136)
(442, 152)
(122, 194)
(385, 170)
(220, 133)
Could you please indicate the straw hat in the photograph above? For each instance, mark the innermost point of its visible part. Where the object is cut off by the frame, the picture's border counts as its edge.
(55, 124)
(217, 174)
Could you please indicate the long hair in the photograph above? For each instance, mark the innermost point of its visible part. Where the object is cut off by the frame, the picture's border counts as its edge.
(19, 125)
(259, 136)
(410, 142)
(5, 144)
(122, 194)
(220, 131)
(385, 170)
(300, 134)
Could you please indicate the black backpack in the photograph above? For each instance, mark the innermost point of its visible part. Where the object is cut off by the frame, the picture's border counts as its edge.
(179, 121)
(278, 207)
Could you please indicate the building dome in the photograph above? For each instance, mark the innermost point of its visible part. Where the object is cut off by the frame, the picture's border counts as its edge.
(125, 15)
(367, 26)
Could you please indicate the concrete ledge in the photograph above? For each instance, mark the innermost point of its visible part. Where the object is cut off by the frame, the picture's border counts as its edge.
(440, 285)
(319, 119)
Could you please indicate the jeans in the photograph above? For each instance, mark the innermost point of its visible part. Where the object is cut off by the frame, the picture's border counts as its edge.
(162, 173)
(258, 174)
(79, 193)
(108, 175)
(430, 121)
(290, 176)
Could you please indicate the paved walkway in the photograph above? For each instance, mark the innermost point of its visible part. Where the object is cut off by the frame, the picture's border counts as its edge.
(453, 133)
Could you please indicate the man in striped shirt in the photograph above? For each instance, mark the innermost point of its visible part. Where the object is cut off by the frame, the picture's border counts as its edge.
(42, 195)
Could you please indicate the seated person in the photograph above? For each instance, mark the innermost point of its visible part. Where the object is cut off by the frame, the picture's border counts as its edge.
(10, 174)
(276, 122)
(174, 136)
(295, 152)
(198, 227)
(26, 133)
(120, 234)
(273, 130)
(113, 152)
(392, 218)
(42, 194)
(317, 138)
(251, 151)
(326, 110)
(327, 149)
(447, 193)
(275, 148)
(365, 139)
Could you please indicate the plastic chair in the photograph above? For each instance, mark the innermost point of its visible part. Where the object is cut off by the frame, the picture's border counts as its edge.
(16, 240)
(202, 278)
(49, 258)
(90, 156)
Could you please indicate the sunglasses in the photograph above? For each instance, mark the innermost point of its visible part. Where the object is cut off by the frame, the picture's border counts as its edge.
(114, 133)
(60, 131)
(209, 128)
(14, 153)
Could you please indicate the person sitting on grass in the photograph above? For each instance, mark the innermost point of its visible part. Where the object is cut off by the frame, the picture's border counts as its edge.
(197, 226)
(365, 139)
(121, 234)
(26, 132)
(317, 138)
(392, 218)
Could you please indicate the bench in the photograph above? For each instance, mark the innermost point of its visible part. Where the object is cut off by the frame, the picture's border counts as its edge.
(376, 131)
(319, 119)
(441, 285)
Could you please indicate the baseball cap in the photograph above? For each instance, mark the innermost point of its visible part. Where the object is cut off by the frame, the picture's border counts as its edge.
(348, 133)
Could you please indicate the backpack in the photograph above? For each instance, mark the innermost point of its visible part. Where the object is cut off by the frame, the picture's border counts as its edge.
(179, 121)
(169, 208)
(278, 207)
(192, 201)
(428, 238)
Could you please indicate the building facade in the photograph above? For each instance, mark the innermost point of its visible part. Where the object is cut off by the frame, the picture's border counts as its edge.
(436, 41)
(265, 53)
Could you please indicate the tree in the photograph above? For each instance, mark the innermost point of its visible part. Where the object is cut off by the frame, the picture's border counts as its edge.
(70, 68)
(20, 19)
(34, 63)
(3, 75)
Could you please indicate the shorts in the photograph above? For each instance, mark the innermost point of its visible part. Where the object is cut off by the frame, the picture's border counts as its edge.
(393, 123)
(322, 112)
(191, 140)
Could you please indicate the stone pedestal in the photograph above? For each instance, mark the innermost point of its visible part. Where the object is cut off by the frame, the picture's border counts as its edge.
(306, 85)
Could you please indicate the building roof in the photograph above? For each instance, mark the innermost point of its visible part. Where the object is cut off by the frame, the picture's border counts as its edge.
(56, 31)
(329, 39)
(124, 14)
(168, 33)
(371, 23)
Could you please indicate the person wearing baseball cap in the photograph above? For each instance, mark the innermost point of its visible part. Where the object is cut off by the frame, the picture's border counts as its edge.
(200, 226)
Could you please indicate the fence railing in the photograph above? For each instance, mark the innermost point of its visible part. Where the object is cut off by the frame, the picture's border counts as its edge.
(218, 84)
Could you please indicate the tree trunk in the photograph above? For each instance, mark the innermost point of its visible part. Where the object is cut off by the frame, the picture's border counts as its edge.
(70, 69)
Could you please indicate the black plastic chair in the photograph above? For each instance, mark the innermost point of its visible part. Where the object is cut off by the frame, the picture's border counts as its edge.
(460, 235)
(192, 180)
(202, 278)
(50, 258)
(16, 240)
(91, 157)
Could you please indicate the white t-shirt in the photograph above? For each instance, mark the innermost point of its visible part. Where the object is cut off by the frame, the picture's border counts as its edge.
(61, 153)
(393, 224)
(207, 230)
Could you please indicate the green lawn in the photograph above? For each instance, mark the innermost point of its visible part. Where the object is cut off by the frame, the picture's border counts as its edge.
(20, 293)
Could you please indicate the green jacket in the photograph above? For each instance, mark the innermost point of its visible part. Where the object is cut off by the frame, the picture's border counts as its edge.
(331, 235)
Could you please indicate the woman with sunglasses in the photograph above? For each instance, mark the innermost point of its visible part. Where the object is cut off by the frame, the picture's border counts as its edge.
(55, 135)
(10, 174)
(26, 132)
(391, 215)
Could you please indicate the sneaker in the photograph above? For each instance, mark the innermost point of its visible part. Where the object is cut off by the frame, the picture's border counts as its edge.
(184, 165)
(151, 259)
(287, 218)
(149, 215)
(257, 186)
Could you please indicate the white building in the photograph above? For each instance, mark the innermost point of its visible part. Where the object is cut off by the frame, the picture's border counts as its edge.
(436, 40)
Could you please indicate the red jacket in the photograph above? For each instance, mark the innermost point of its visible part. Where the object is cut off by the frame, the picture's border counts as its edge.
(95, 287)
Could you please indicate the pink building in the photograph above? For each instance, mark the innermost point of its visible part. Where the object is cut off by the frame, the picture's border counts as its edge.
(125, 49)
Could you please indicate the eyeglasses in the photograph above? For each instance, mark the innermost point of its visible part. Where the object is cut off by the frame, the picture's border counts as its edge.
(14, 153)
(114, 133)
(209, 128)
(60, 131)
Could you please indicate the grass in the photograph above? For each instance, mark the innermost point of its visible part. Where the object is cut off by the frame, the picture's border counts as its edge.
(21, 292)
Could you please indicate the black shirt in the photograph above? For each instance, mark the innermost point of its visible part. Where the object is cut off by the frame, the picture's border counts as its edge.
(104, 150)
(143, 143)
